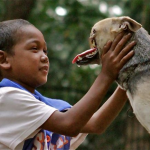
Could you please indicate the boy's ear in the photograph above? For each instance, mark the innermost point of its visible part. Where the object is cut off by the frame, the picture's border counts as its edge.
(4, 64)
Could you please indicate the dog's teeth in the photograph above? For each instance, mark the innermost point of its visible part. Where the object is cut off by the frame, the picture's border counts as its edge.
(93, 44)
(79, 58)
(88, 55)
(91, 54)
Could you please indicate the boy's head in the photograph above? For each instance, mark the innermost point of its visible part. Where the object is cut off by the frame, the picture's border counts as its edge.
(9, 33)
(23, 54)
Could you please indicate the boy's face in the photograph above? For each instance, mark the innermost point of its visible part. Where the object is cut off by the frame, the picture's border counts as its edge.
(30, 64)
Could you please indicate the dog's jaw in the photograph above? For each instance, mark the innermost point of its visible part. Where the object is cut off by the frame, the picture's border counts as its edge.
(101, 38)
(86, 57)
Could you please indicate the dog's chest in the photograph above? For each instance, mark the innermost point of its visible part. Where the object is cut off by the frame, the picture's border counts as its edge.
(140, 101)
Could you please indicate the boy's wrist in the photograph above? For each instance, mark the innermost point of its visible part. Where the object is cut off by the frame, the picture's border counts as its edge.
(105, 78)
(122, 93)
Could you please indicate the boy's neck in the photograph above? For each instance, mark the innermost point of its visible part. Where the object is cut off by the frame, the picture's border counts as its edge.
(29, 88)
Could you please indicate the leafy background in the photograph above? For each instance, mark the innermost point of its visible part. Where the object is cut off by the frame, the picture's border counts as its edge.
(66, 36)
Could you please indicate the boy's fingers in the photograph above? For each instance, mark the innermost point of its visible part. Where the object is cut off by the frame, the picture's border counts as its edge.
(126, 58)
(116, 40)
(126, 50)
(122, 43)
(106, 47)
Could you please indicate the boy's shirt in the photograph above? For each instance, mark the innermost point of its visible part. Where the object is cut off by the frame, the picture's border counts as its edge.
(21, 115)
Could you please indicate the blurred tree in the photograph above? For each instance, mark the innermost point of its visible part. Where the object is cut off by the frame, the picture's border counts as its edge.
(139, 10)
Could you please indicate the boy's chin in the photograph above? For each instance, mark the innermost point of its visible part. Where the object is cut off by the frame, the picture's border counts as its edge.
(42, 82)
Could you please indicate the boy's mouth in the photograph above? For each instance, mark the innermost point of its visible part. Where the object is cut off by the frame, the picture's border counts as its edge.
(45, 68)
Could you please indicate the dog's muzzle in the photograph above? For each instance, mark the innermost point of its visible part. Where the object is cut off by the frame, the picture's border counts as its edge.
(87, 57)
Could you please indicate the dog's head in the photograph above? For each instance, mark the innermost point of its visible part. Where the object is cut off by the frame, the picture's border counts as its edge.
(101, 32)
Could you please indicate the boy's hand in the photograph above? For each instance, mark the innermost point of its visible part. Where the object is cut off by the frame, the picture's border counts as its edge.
(116, 54)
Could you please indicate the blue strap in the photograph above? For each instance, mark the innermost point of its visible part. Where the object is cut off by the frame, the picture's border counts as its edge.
(56, 103)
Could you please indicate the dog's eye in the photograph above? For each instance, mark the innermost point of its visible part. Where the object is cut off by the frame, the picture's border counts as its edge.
(94, 31)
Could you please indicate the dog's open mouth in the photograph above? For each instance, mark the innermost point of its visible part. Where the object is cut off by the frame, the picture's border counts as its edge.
(89, 56)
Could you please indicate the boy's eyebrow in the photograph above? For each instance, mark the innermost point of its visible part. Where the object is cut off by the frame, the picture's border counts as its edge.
(35, 41)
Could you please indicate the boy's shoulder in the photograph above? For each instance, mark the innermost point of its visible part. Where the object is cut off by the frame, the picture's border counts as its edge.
(12, 96)
(5, 91)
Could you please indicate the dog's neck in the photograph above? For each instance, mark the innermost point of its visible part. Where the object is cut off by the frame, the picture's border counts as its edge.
(140, 59)
(142, 48)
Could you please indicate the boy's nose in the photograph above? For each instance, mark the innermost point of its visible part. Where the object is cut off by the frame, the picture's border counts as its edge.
(44, 59)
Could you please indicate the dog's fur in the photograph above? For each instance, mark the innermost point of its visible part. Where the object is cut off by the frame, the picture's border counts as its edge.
(135, 75)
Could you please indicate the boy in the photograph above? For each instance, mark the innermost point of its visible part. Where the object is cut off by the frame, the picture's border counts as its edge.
(29, 120)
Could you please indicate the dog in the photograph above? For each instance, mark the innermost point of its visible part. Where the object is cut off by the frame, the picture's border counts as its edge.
(134, 77)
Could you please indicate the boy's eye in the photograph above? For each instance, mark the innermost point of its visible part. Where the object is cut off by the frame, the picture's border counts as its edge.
(34, 48)
(45, 51)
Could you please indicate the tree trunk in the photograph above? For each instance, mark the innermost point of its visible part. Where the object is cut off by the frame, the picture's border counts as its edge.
(16, 9)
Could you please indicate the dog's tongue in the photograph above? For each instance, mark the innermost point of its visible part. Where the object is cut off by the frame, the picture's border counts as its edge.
(83, 54)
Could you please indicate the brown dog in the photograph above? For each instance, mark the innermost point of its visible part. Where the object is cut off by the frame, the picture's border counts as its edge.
(134, 77)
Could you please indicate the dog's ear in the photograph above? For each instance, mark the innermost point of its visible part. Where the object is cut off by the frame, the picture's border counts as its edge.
(128, 23)
(124, 23)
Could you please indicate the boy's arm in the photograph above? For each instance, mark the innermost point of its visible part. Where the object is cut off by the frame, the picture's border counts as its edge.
(106, 113)
(71, 122)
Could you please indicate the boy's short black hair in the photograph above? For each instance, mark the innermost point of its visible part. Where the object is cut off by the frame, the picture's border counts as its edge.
(8, 33)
